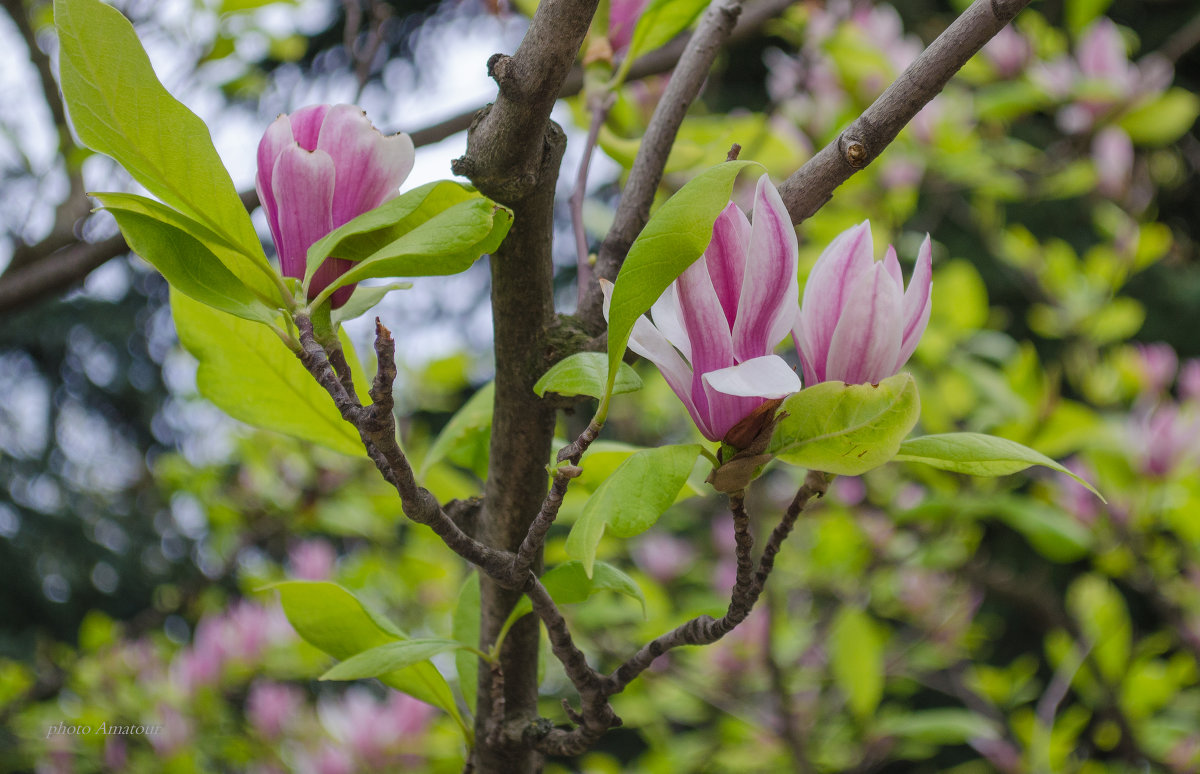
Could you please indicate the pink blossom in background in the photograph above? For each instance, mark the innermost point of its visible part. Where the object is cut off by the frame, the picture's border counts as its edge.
(1009, 51)
(1112, 153)
(1156, 365)
(662, 556)
(176, 731)
(716, 327)
(857, 323)
(269, 706)
(1164, 438)
(312, 560)
(319, 168)
(1072, 496)
(623, 17)
(1189, 380)
(378, 733)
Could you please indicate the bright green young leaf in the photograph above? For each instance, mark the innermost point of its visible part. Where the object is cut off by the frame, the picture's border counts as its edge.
(466, 631)
(846, 429)
(942, 727)
(856, 653)
(631, 499)
(1080, 13)
(469, 428)
(119, 108)
(333, 620)
(189, 265)
(979, 455)
(675, 237)
(1102, 614)
(389, 657)
(363, 300)
(248, 372)
(447, 243)
(377, 228)
(586, 373)
(661, 22)
(1162, 120)
(569, 583)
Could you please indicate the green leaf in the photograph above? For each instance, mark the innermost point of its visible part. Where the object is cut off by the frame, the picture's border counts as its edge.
(186, 262)
(631, 499)
(660, 22)
(941, 727)
(569, 583)
(466, 631)
(464, 429)
(1080, 13)
(250, 374)
(383, 225)
(857, 660)
(363, 299)
(586, 373)
(979, 455)
(389, 657)
(1055, 535)
(1163, 120)
(677, 234)
(119, 108)
(439, 228)
(1104, 618)
(846, 429)
(333, 620)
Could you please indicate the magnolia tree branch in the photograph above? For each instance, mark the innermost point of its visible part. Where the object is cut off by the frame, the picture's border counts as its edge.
(634, 209)
(705, 630)
(377, 427)
(807, 190)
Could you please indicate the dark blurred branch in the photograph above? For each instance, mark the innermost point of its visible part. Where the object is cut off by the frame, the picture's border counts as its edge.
(812, 185)
(74, 206)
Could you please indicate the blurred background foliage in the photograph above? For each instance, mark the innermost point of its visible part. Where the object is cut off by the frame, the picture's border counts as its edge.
(918, 621)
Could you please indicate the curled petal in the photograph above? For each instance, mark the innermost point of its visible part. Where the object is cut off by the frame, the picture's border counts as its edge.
(725, 258)
(302, 184)
(918, 303)
(669, 322)
(277, 137)
(306, 125)
(828, 288)
(866, 342)
(370, 167)
(647, 341)
(892, 265)
(707, 329)
(813, 370)
(768, 376)
(767, 306)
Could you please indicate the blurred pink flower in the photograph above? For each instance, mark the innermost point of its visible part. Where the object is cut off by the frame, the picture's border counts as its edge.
(174, 733)
(379, 733)
(1009, 51)
(269, 706)
(1112, 153)
(1189, 381)
(312, 560)
(664, 557)
(1163, 438)
(857, 323)
(716, 327)
(623, 17)
(1156, 365)
(319, 168)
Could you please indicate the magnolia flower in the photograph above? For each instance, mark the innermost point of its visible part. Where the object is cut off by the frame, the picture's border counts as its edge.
(318, 169)
(857, 323)
(716, 326)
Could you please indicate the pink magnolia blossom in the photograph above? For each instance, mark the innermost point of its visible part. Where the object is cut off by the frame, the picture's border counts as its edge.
(716, 326)
(270, 706)
(312, 559)
(1112, 153)
(319, 168)
(857, 323)
(1189, 380)
(623, 17)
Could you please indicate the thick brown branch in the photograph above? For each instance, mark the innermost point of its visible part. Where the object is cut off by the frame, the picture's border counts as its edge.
(377, 427)
(505, 146)
(634, 209)
(812, 185)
